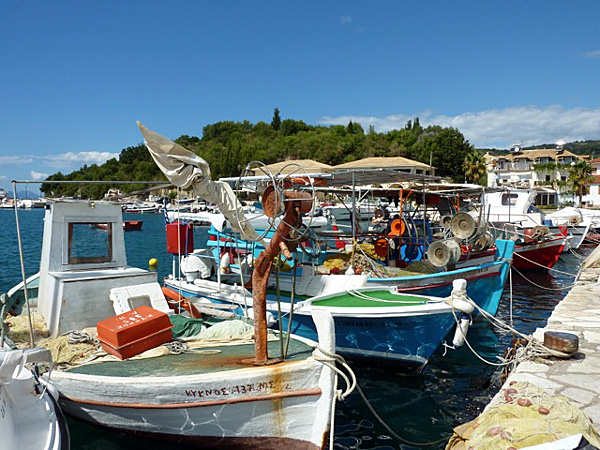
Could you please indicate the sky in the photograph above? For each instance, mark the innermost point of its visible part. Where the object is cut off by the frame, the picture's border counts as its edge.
(77, 75)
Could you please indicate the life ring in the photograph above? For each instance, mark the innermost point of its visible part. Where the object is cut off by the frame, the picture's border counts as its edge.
(176, 301)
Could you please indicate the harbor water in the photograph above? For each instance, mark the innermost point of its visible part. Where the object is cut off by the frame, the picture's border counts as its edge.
(454, 387)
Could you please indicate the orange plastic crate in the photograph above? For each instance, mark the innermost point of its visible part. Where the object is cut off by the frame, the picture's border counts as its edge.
(134, 332)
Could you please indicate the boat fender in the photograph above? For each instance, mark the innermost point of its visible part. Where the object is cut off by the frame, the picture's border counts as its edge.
(462, 305)
(225, 262)
(458, 298)
(270, 317)
(464, 320)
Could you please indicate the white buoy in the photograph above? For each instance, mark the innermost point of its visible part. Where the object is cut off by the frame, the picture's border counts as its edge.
(225, 262)
(461, 330)
(458, 297)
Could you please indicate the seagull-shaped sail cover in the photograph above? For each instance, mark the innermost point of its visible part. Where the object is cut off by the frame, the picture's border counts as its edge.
(188, 171)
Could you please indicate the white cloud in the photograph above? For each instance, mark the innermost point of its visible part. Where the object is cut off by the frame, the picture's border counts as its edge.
(3, 177)
(38, 175)
(593, 54)
(15, 160)
(346, 20)
(499, 128)
(73, 160)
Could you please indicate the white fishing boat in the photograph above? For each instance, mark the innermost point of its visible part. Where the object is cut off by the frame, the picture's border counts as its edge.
(221, 398)
(516, 207)
(29, 414)
(231, 395)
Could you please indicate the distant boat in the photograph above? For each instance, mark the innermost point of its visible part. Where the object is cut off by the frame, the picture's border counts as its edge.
(128, 225)
(132, 225)
(140, 208)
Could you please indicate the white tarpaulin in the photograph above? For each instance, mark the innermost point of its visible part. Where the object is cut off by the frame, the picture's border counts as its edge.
(188, 171)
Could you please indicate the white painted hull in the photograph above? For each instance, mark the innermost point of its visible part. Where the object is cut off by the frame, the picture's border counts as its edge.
(283, 405)
(28, 419)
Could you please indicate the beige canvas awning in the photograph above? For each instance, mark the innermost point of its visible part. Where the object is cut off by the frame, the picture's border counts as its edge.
(297, 166)
(383, 162)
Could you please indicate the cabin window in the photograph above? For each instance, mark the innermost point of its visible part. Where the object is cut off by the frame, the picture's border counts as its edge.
(509, 199)
(90, 242)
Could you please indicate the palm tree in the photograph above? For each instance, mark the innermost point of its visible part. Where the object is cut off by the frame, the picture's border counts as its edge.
(474, 167)
(580, 176)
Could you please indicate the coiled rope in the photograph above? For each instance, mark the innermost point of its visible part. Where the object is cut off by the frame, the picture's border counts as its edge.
(79, 337)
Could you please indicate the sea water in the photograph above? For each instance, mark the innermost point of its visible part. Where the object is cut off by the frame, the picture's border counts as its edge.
(454, 387)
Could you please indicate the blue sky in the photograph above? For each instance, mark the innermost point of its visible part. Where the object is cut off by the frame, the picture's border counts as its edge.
(76, 76)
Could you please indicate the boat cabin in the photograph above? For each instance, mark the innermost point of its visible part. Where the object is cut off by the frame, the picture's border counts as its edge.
(81, 262)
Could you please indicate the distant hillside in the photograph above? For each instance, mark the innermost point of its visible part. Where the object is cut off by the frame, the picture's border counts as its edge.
(228, 146)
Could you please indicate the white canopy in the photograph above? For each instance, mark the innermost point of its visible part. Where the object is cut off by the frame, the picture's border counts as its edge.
(188, 171)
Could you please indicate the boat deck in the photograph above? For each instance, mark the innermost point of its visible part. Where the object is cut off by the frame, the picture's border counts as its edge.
(205, 360)
(373, 298)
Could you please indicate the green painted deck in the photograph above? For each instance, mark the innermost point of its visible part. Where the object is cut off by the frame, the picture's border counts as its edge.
(229, 357)
(371, 299)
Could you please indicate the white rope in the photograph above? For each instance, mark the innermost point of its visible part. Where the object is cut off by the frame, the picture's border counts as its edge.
(329, 359)
(543, 266)
(533, 348)
(364, 296)
(543, 287)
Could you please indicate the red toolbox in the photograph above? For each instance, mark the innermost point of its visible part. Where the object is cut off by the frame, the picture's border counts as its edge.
(134, 332)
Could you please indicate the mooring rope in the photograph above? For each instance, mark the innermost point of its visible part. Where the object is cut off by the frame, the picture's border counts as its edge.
(543, 287)
(533, 348)
(330, 359)
(543, 266)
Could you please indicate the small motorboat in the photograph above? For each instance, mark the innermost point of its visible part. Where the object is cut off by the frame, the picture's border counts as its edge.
(132, 225)
(128, 225)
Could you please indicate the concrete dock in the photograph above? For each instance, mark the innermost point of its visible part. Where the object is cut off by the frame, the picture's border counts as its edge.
(561, 396)
(576, 378)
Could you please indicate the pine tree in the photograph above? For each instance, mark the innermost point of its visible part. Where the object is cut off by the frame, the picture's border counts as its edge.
(276, 122)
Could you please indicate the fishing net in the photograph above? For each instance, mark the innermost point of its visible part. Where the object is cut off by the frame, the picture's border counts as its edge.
(18, 329)
(525, 416)
(65, 353)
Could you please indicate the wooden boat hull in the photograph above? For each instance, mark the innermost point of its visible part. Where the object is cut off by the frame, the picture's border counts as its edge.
(540, 255)
(285, 405)
(485, 283)
(394, 334)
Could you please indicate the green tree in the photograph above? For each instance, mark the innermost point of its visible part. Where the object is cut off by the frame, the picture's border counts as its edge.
(580, 176)
(276, 122)
(446, 148)
(474, 166)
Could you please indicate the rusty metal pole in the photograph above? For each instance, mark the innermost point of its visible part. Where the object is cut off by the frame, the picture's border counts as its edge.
(296, 203)
(260, 277)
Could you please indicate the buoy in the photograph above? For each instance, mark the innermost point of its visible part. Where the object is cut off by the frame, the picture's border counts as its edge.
(225, 261)
(461, 330)
(460, 302)
(152, 264)
(458, 297)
